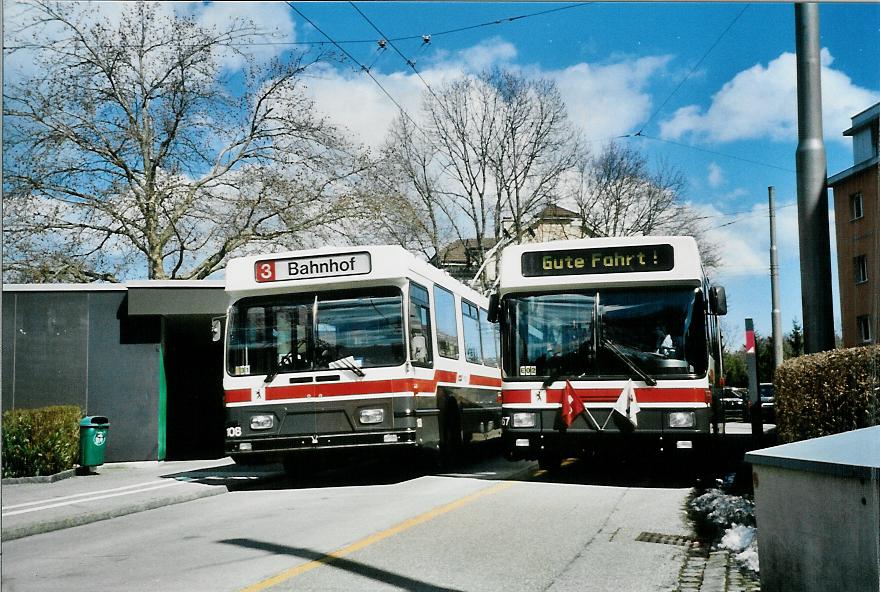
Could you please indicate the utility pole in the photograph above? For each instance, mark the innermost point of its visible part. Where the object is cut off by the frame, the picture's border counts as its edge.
(775, 315)
(812, 191)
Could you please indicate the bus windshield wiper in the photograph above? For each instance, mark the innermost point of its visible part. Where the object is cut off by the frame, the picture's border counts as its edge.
(284, 360)
(347, 364)
(612, 347)
(553, 377)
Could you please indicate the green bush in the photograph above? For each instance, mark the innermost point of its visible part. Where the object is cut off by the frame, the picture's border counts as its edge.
(40, 441)
(828, 393)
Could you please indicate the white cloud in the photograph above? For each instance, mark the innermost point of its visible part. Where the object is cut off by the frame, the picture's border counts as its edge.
(273, 20)
(761, 102)
(608, 100)
(488, 53)
(603, 100)
(716, 175)
(744, 238)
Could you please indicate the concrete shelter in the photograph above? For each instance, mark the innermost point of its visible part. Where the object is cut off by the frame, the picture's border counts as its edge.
(139, 353)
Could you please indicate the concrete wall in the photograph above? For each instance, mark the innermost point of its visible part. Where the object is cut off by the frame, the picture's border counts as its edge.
(81, 348)
(817, 531)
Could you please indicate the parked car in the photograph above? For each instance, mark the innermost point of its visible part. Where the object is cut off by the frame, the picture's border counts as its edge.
(735, 402)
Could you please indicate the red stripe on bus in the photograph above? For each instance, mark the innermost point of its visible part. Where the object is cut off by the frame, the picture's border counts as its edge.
(445, 376)
(300, 391)
(485, 380)
(516, 396)
(643, 395)
(237, 396)
(371, 387)
(342, 389)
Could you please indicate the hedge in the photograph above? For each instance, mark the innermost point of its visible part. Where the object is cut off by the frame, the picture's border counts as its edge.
(828, 393)
(40, 441)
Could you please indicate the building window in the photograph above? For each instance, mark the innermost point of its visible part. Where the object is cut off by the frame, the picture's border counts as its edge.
(863, 323)
(856, 206)
(861, 268)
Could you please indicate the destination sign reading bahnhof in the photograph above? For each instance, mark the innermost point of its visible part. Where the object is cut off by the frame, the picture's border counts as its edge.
(627, 259)
(307, 268)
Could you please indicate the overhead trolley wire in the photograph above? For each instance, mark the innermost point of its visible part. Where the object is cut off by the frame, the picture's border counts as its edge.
(706, 150)
(362, 67)
(692, 70)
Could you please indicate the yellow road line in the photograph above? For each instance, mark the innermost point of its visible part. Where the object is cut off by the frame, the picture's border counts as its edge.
(375, 538)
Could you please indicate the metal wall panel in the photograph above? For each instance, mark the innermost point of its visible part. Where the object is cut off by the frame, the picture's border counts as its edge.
(50, 346)
(123, 380)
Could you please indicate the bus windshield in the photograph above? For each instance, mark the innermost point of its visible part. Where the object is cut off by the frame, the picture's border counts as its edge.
(305, 332)
(606, 334)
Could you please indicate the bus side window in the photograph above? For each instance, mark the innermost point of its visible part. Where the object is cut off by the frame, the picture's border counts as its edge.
(447, 325)
(490, 342)
(473, 349)
(419, 326)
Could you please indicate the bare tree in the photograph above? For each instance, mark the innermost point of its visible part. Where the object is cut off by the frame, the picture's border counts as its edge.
(127, 146)
(617, 194)
(489, 147)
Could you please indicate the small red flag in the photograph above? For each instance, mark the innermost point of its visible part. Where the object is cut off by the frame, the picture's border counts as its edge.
(571, 404)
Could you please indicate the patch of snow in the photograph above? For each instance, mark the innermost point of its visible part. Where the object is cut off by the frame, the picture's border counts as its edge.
(725, 510)
(735, 516)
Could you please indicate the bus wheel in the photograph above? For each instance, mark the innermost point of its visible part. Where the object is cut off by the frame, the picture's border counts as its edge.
(248, 459)
(450, 434)
(550, 461)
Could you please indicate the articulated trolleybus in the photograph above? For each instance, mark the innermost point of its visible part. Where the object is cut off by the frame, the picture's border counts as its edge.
(607, 343)
(341, 348)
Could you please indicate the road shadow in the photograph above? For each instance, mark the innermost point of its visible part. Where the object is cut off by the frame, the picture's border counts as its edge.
(335, 561)
(653, 471)
(357, 469)
(232, 476)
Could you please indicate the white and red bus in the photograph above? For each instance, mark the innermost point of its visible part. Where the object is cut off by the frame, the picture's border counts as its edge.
(607, 342)
(354, 347)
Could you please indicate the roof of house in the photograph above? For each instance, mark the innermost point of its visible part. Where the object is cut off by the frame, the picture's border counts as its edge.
(459, 252)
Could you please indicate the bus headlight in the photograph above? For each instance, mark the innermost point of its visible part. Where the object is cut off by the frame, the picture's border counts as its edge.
(524, 420)
(682, 419)
(368, 416)
(262, 422)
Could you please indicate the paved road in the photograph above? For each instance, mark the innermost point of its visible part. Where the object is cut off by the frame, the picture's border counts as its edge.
(372, 526)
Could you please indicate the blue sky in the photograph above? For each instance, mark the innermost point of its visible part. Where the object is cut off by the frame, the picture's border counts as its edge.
(618, 66)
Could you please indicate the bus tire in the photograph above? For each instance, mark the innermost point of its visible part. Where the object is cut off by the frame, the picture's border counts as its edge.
(451, 441)
(549, 461)
(247, 460)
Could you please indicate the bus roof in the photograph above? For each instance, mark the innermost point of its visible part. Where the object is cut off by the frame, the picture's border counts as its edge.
(335, 268)
(608, 262)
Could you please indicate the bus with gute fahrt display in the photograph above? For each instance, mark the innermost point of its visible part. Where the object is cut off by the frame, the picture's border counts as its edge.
(353, 348)
(607, 342)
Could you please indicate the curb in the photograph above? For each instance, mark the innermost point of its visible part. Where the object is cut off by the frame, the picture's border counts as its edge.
(40, 479)
(11, 534)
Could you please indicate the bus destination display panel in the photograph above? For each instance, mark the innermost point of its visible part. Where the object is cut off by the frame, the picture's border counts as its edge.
(615, 259)
(319, 266)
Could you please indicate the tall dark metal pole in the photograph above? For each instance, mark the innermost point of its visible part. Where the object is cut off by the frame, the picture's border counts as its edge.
(775, 315)
(812, 192)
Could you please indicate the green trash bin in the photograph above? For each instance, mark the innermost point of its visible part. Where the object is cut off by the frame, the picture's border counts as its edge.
(93, 440)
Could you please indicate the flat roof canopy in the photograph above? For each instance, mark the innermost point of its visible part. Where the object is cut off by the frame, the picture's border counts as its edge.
(152, 297)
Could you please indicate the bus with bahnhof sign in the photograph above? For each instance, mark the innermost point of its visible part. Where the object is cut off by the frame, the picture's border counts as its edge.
(352, 348)
(607, 342)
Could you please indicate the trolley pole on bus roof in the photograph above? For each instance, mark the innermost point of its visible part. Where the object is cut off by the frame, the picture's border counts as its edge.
(776, 316)
(812, 192)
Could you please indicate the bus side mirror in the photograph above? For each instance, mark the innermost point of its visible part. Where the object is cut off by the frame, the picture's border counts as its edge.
(216, 329)
(718, 300)
(494, 308)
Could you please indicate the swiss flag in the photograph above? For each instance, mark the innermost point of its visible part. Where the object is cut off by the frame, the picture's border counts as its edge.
(571, 404)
